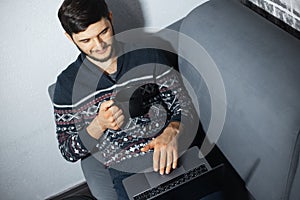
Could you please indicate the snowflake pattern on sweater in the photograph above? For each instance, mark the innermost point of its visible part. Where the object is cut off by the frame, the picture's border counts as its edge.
(116, 145)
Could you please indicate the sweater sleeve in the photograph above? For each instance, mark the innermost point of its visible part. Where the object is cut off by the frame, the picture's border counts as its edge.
(73, 140)
(175, 96)
(173, 91)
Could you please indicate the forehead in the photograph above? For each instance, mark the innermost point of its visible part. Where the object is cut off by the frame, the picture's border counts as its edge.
(93, 29)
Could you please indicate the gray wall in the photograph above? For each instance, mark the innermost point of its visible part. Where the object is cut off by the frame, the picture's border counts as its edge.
(33, 51)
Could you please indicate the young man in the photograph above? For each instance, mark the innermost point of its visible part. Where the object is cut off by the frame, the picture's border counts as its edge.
(91, 118)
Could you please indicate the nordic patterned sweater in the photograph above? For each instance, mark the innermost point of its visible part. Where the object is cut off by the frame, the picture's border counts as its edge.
(145, 87)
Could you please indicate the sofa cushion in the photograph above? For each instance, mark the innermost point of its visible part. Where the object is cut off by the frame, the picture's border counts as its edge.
(259, 64)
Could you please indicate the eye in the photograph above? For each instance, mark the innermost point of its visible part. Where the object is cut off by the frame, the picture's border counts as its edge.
(104, 31)
(85, 40)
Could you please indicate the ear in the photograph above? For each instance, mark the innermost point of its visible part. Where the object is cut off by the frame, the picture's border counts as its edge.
(110, 16)
(69, 37)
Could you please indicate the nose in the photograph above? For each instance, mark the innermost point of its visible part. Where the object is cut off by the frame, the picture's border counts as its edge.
(98, 41)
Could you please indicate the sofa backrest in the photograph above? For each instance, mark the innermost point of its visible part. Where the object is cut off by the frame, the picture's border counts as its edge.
(260, 67)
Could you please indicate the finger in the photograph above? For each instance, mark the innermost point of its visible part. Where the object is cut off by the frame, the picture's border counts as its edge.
(175, 158)
(156, 155)
(110, 114)
(106, 105)
(118, 114)
(169, 161)
(111, 120)
(113, 109)
(148, 147)
(120, 121)
(162, 161)
(115, 126)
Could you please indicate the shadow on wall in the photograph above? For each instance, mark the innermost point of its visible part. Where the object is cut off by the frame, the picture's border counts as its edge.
(126, 14)
(129, 15)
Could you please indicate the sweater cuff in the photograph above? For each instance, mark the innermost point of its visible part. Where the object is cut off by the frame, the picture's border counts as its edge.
(88, 141)
(175, 118)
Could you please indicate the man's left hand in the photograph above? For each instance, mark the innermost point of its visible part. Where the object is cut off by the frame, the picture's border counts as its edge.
(165, 149)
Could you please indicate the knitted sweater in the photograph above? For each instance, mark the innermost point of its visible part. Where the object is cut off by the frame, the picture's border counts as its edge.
(145, 87)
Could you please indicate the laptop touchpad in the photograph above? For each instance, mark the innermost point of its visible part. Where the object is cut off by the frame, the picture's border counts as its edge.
(155, 179)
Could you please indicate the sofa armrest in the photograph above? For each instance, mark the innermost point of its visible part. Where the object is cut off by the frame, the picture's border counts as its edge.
(259, 64)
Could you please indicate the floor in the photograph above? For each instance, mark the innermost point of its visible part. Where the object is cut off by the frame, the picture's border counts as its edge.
(80, 192)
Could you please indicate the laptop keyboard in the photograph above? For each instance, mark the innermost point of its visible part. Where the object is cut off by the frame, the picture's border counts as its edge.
(169, 185)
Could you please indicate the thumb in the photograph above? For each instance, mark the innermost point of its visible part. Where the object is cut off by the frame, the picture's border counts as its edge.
(148, 147)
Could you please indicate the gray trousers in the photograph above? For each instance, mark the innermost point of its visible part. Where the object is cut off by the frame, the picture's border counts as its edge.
(98, 179)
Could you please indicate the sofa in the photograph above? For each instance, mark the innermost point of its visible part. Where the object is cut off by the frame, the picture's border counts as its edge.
(260, 67)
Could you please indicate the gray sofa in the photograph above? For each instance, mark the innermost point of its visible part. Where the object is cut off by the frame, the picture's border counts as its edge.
(260, 67)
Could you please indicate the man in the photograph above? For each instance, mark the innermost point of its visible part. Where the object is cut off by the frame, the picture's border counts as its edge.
(91, 119)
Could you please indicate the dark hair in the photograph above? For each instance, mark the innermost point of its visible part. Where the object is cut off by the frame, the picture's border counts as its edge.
(76, 15)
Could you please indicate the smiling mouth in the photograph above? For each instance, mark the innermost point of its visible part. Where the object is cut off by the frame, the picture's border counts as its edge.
(102, 51)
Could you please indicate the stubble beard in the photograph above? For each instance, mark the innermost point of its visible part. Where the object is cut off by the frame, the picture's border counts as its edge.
(102, 60)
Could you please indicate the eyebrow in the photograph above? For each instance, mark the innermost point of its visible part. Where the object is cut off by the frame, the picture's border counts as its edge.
(104, 30)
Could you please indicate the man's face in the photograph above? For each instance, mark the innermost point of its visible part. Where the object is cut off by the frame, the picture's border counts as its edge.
(96, 41)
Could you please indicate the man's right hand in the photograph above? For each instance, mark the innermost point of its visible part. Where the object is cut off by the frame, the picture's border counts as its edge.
(109, 117)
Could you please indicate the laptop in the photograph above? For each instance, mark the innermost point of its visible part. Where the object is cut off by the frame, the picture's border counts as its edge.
(192, 179)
